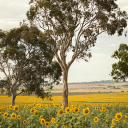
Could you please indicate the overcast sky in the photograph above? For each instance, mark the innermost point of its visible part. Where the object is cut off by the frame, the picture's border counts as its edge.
(12, 12)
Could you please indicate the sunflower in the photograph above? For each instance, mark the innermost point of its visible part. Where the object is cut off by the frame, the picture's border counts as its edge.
(76, 109)
(118, 116)
(42, 121)
(25, 121)
(8, 116)
(86, 111)
(34, 104)
(41, 116)
(53, 120)
(67, 110)
(65, 126)
(16, 108)
(10, 107)
(96, 119)
(18, 116)
(5, 114)
(0, 110)
(36, 112)
(13, 115)
(47, 123)
(103, 108)
(39, 105)
(46, 106)
(32, 110)
(113, 121)
(112, 127)
(60, 112)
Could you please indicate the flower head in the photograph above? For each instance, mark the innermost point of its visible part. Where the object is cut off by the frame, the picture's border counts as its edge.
(47, 123)
(13, 115)
(103, 108)
(5, 114)
(53, 120)
(32, 110)
(25, 121)
(86, 111)
(16, 108)
(96, 119)
(0, 110)
(42, 121)
(76, 109)
(60, 112)
(36, 112)
(67, 110)
(118, 116)
(10, 107)
(18, 116)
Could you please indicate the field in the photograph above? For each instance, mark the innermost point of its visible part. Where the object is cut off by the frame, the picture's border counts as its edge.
(101, 110)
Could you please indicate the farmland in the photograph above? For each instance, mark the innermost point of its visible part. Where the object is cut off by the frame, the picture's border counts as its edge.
(95, 108)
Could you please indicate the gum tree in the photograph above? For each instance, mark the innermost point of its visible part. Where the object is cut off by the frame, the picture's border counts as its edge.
(73, 26)
(26, 64)
(120, 69)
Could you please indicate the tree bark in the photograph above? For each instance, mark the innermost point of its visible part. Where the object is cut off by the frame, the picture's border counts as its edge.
(13, 99)
(65, 89)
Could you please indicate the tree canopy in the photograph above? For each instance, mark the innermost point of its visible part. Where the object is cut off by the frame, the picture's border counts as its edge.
(120, 69)
(73, 26)
(25, 59)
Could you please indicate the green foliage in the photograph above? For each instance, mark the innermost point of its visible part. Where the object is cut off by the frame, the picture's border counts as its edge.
(69, 120)
(28, 61)
(63, 20)
(120, 69)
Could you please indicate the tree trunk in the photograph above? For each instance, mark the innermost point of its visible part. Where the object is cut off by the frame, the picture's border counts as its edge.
(13, 99)
(65, 89)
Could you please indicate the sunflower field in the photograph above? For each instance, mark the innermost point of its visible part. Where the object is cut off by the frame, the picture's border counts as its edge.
(98, 113)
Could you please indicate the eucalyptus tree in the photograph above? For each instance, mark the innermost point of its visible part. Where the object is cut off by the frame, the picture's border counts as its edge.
(120, 69)
(73, 26)
(26, 64)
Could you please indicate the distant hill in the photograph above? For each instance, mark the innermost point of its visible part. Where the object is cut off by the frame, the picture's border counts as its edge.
(95, 82)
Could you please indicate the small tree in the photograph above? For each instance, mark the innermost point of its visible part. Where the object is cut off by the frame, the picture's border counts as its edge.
(73, 26)
(26, 64)
(120, 69)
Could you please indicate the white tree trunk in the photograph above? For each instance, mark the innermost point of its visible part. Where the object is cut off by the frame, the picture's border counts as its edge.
(65, 89)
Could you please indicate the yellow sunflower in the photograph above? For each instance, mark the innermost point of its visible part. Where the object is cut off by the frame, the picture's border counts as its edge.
(47, 123)
(86, 111)
(53, 120)
(13, 115)
(36, 112)
(16, 108)
(67, 110)
(18, 117)
(76, 109)
(25, 121)
(1, 110)
(32, 110)
(10, 107)
(60, 112)
(42, 121)
(41, 116)
(103, 108)
(96, 119)
(5, 114)
(118, 116)
(113, 121)
(46, 106)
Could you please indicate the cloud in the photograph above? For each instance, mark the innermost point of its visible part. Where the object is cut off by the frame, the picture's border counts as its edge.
(111, 45)
(12, 12)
